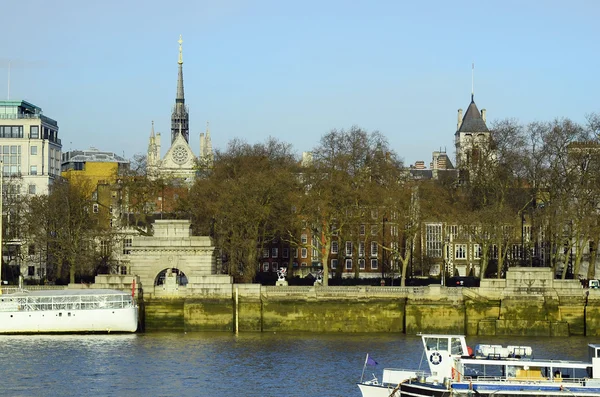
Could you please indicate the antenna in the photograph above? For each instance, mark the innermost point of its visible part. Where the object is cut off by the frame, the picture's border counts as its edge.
(8, 94)
(472, 79)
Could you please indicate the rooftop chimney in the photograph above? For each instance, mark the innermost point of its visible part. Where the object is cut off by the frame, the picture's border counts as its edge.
(483, 114)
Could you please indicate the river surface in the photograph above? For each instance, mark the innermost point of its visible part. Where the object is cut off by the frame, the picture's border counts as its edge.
(220, 364)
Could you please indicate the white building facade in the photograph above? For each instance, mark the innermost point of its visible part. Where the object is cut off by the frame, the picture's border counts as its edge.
(30, 148)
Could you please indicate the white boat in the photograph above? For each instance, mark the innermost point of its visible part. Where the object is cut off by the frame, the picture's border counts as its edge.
(64, 311)
(455, 369)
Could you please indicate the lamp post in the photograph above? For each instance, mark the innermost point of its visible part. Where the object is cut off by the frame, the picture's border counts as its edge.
(1, 226)
(383, 249)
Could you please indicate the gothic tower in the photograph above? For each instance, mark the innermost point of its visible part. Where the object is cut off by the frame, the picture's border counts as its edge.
(472, 137)
(180, 117)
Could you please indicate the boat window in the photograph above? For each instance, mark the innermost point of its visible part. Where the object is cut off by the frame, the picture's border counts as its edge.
(456, 346)
(436, 343)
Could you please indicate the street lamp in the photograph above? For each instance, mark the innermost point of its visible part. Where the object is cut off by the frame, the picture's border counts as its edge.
(383, 249)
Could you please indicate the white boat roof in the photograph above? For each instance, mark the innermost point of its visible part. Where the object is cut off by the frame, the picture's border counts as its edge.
(64, 292)
(527, 362)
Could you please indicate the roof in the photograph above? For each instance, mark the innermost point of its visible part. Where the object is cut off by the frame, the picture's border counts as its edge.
(472, 121)
(92, 155)
(65, 292)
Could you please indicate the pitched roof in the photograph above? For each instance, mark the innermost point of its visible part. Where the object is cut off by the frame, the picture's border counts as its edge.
(472, 121)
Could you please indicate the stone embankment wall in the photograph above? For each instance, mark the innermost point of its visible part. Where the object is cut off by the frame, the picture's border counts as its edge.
(528, 303)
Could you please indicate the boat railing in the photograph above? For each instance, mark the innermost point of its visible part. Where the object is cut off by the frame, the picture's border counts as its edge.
(561, 380)
(66, 302)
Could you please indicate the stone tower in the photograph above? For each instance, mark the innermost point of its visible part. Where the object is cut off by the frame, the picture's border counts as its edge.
(472, 136)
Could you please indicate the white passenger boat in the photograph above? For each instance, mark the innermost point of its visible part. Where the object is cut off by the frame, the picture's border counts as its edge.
(455, 370)
(64, 311)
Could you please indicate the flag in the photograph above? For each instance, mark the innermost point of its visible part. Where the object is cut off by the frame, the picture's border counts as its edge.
(370, 361)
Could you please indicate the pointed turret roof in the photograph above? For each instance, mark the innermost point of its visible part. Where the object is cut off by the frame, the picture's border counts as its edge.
(180, 117)
(180, 97)
(472, 121)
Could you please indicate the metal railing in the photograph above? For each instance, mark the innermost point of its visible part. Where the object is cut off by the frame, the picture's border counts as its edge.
(65, 302)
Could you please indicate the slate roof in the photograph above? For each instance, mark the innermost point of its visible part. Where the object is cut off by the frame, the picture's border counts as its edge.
(472, 121)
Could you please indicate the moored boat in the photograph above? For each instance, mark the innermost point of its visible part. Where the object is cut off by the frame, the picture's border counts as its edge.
(455, 369)
(68, 311)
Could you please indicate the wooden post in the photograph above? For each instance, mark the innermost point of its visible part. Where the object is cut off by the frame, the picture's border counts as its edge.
(237, 313)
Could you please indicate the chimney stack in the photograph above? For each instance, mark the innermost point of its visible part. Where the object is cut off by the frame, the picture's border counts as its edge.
(483, 114)
(460, 117)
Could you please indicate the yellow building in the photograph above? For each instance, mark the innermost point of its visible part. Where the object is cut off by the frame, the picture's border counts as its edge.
(89, 168)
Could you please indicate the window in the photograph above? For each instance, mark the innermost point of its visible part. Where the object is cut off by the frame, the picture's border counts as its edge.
(374, 248)
(303, 264)
(334, 247)
(394, 230)
(315, 253)
(274, 252)
(361, 264)
(34, 150)
(452, 231)
(104, 248)
(31, 249)
(348, 248)
(348, 264)
(295, 264)
(123, 269)
(275, 266)
(374, 264)
(32, 189)
(286, 252)
(433, 240)
(31, 271)
(527, 233)
(374, 214)
(517, 252)
(33, 170)
(374, 230)
(95, 208)
(304, 253)
(460, 251)
(265, 266)
(265, 253)
(361, 249)
(127, 246)
(304, 239)
(334, 263)
(362, 230)
(476, 251)
(34, 132)
(494, 251)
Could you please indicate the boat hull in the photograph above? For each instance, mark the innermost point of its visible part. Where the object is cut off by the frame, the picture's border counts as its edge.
(69, 321)
(418, 389)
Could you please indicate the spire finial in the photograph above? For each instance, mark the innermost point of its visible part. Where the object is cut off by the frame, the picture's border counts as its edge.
(152, 131)
(472, 80)
(207, 127)
(180, 41)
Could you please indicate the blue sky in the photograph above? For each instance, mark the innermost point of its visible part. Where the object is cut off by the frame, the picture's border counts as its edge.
(295, 70)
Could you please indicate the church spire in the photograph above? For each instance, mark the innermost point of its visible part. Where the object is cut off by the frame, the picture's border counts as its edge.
(179, 117)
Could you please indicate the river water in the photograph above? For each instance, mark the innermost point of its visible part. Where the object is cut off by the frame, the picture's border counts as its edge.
(220, 364)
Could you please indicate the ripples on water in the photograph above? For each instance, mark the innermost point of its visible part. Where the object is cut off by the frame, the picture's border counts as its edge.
(219, 364)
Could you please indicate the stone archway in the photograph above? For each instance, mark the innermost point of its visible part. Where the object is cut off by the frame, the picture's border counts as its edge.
(163, 277)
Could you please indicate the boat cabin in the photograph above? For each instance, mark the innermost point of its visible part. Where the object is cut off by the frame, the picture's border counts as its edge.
(440, 351)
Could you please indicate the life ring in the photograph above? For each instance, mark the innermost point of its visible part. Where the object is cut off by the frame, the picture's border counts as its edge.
(435, 358)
